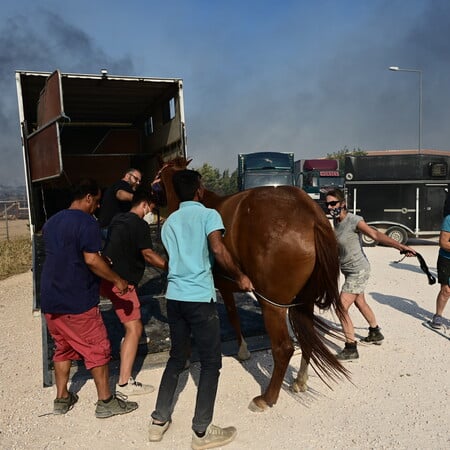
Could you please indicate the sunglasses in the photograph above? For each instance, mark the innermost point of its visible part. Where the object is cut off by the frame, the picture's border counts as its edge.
(136, 179)
(332, 203)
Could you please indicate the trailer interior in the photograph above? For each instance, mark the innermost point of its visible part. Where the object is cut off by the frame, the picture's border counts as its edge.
(98, 126)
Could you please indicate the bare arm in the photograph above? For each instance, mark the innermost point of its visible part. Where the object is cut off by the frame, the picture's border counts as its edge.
(97, 264)
(224, 258)
(154, 259)
(383, 239)
(124, 196)
(444, 240)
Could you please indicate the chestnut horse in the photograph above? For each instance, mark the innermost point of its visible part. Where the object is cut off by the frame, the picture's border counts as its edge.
(283, 241)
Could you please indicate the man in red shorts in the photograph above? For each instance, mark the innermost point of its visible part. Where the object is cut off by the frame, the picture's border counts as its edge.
(129, 248)
(70, 295)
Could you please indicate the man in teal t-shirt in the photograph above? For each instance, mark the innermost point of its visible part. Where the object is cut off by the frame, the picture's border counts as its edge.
(192, 236)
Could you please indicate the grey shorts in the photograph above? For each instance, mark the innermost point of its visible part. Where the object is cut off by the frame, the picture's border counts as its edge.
(355, 283)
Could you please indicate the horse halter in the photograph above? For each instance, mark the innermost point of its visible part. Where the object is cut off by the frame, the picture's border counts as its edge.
(158, 189)
(160, 194)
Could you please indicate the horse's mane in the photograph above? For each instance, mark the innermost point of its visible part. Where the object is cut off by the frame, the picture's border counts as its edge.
(179, 162)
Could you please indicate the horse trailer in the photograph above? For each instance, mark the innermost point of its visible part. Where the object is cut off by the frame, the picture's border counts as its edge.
(78, 125)
(400, 195)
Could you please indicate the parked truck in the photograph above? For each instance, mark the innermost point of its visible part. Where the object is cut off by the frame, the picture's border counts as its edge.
(318, 176)
(265, 169)
(81, 125)
(400, 195)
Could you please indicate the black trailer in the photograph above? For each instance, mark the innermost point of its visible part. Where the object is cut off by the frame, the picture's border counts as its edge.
(400, 195)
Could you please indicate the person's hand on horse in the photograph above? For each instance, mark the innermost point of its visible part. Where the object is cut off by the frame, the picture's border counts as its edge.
(244, 283)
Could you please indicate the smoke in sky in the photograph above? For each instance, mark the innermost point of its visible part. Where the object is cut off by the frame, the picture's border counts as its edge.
(306, 77)
(42, 41)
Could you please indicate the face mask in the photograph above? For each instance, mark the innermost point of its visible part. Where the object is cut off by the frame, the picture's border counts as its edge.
(335, 212)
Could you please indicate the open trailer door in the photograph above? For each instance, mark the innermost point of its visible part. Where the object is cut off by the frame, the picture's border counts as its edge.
(42, 146)
(42, 161)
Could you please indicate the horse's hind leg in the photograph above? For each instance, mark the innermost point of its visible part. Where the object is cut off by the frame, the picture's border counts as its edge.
(300, 383)
(282, 350)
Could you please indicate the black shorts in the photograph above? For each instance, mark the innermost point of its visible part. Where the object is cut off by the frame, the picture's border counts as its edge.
(443, 270)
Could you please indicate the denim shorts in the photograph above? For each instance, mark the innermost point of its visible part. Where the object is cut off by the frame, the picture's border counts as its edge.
(355, 283)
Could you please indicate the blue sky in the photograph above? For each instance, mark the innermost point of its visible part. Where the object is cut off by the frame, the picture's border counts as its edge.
(309, 77)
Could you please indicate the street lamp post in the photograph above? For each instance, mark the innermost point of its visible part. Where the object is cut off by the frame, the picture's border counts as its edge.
(398, 69)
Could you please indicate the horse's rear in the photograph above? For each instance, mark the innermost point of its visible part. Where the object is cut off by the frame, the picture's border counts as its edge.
(285, 244)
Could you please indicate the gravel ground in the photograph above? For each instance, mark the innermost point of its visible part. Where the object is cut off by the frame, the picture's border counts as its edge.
(398, 397)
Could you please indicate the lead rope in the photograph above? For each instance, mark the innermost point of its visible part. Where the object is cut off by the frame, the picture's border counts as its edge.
(254, 294)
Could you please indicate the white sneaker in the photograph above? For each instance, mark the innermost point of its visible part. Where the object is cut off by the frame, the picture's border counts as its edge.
(214, 437)
(156, 432)
(134, 388)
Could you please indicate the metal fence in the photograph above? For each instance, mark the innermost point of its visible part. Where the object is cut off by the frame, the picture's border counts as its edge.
(12, 211)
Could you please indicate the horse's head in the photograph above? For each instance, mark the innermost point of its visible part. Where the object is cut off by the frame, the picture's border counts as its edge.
(162, 185)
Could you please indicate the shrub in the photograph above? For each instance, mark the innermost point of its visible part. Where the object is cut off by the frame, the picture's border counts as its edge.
(15, 256)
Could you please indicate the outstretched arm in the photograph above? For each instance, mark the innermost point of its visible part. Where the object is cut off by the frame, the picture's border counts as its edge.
(124, 196)
(154, 259)
(224, 258)
(384, 239)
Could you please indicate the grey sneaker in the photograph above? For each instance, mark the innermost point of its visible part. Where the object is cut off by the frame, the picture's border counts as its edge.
(63, 405)
(156, 432)
(374, 337)
(437, 322)
(214, 437)
(134, 388)
(117, 405)
(347, 354)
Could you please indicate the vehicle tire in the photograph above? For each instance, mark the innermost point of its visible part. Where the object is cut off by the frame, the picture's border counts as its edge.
(398, 234)
(368, 241)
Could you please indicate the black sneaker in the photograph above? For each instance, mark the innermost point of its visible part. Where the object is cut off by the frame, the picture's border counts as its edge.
(63, 405)
(374, 337)
(348, 353)
(115, 406)
(437, 322)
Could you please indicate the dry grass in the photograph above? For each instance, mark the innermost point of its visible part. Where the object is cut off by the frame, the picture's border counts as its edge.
(15, 256)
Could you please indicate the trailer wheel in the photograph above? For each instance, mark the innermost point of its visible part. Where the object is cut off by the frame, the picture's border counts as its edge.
(398, 234)
(368, 241)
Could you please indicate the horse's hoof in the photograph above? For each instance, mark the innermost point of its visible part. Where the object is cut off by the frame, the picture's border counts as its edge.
(243, 355)
(254, 407)
(296, 387)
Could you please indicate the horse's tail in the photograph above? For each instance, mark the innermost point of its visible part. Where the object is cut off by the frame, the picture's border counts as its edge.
(320, 290)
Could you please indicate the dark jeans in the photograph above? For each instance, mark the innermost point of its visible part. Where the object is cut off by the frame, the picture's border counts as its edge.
(201, 320)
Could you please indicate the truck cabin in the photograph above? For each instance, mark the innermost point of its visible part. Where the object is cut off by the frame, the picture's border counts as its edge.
(265, 169)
